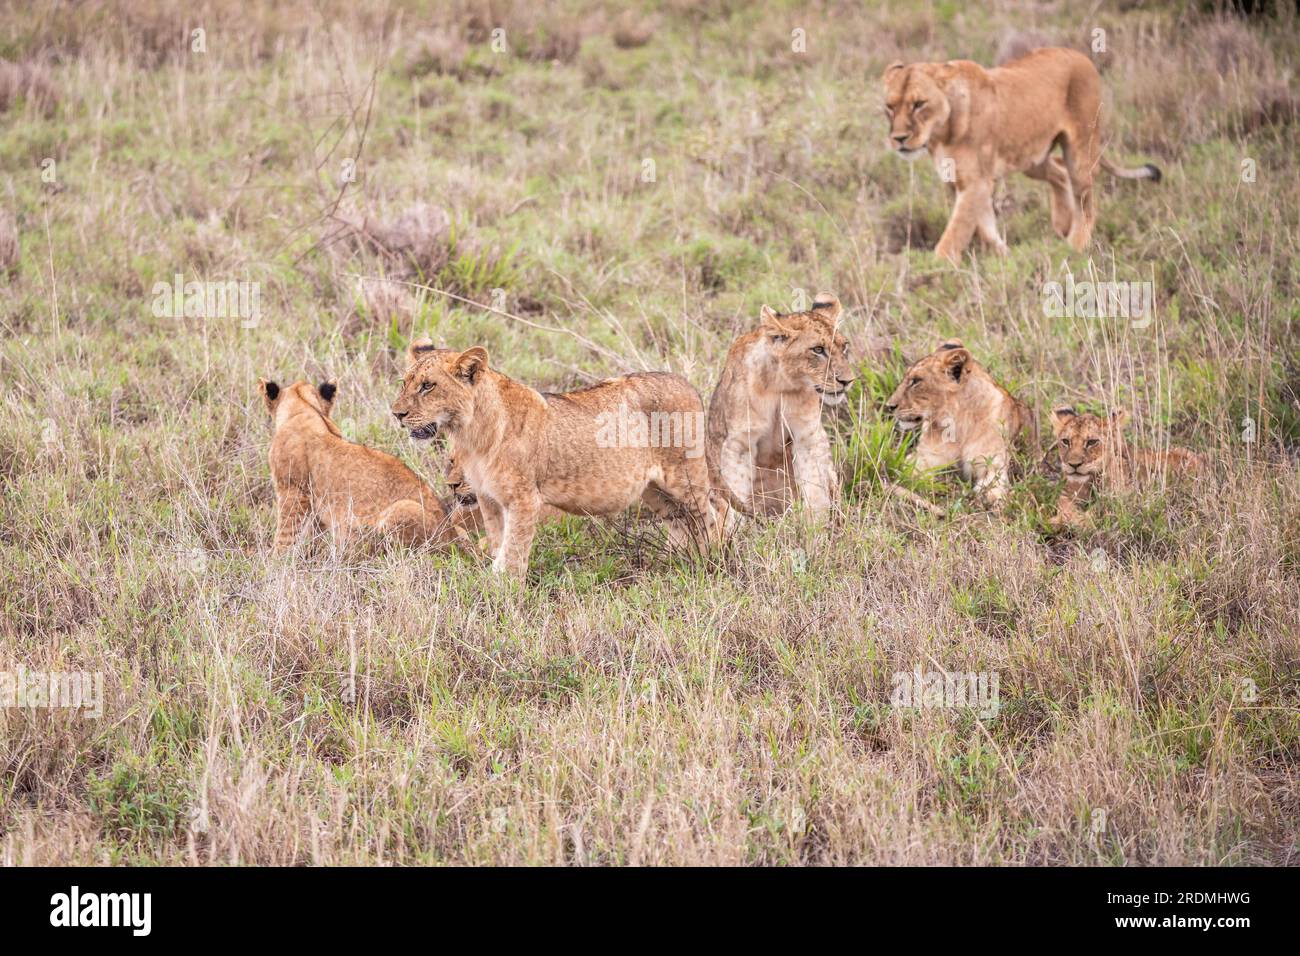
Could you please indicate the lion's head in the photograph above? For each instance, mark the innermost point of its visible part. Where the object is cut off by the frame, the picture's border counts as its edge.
(1086, 443)
(916, 106)
(809, 352)
(933, 387)
(454, 475)
(298, 398)
(438, 389)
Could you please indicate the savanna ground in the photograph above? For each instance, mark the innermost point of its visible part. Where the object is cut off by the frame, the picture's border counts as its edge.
(636, 185)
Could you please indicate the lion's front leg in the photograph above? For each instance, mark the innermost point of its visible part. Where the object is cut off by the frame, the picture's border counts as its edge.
(736, 464)
(814, 471)
(519, 528)
(493, 521)
(292, 509)
(992, 481)
(974, 204)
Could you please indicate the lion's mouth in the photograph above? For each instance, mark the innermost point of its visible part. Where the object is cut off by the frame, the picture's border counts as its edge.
(911, 152)
(425, 432)
(832, 398)
(908, 422)
(465, 499)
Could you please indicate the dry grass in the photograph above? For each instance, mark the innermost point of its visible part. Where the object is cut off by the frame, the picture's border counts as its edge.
(624, 706)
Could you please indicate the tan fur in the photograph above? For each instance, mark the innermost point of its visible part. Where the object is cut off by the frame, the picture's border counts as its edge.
(1093, 449)
(462, 504)
(344, 487)
(965, 418)
(521, 450)
(766, 441)
(980, 125)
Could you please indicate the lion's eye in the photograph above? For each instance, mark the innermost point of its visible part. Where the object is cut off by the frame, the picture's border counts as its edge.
(1065, 443)
(1090, 442)
(889, 111)
(818, 350)
(918, 105)
(426, 387)
(914, 382)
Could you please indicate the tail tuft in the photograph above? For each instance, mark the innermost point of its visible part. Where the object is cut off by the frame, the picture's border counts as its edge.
(1153, 172)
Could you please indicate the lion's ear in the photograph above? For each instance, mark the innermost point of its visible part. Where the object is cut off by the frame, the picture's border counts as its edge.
(954, 362)
(471, 364)
(1118, 418)
(327, 391)
(270, 393)
(950, 344)
(828, 305)
(896, 65)
(419, 347)
(1060, 416)
(771, 325)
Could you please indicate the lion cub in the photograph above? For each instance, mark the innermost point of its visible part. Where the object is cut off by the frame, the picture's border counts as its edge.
(966, 419)
(766, 441)
(348, 488)
(1093, 448)
(600, 450)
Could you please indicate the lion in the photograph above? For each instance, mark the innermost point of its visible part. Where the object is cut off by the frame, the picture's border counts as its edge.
(965, 418)
(633, 439)
(766, 443)
(979, 125)
(346, 488)
(1093, 449)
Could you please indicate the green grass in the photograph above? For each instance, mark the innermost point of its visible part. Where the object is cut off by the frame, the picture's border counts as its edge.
(626, 704)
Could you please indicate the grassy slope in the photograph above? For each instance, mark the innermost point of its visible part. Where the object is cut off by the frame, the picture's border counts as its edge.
(626, 707)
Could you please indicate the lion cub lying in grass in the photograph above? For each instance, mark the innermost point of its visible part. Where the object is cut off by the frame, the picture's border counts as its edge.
(966, 419)
(628, 440)
(1093, 448)
(766, 440)
(348, 488)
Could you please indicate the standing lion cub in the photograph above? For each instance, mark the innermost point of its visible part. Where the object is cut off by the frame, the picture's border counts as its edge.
(766, 440)
(980, 125)
(628, 440)
(347, 488)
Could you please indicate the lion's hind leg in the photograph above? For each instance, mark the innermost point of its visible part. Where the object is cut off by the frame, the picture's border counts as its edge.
(1052, 171)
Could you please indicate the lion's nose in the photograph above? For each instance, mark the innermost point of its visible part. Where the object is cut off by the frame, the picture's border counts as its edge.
(398, 415)
(845, 382)
(890, 408)
(901, 138)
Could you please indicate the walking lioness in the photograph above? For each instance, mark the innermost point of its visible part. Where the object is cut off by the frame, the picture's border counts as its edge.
(347, 488)
(600, 450)
(979, 125)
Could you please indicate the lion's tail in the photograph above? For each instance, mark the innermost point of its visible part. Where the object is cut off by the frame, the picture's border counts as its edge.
(1149, 171)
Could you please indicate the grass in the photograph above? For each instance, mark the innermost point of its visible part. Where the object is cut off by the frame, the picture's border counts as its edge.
(626, 705)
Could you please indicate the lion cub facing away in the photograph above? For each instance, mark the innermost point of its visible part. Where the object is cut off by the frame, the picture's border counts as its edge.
(1093, 448)
(348, 488)
(766, 440)
(966, 419)
(596, 451)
